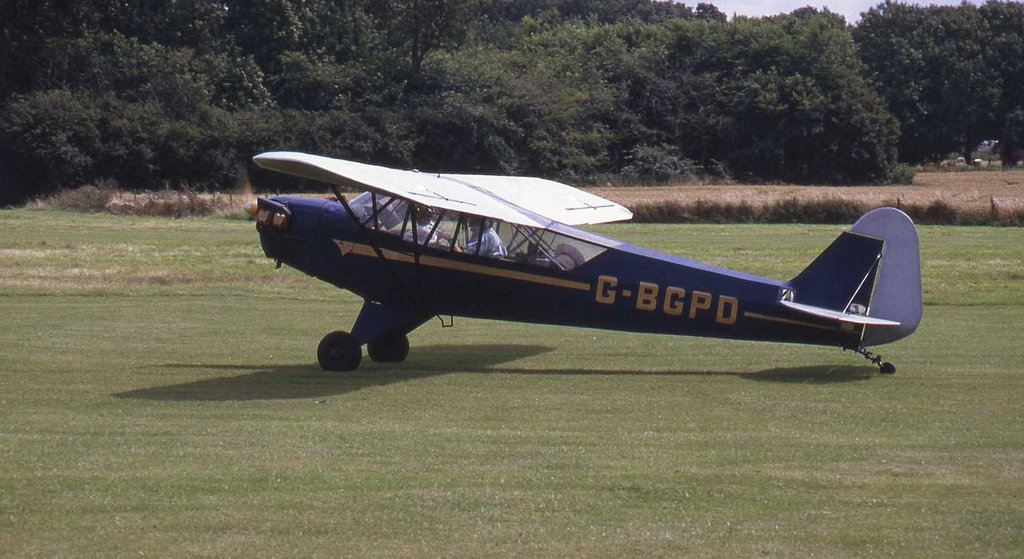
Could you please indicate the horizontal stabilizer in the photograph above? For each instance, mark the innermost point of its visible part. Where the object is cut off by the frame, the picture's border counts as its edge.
(848, 318)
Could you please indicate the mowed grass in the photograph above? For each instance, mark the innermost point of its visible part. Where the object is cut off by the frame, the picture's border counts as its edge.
(159, 397)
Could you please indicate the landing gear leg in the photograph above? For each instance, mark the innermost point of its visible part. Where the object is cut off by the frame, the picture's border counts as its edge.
(339, 351)
(884, 367)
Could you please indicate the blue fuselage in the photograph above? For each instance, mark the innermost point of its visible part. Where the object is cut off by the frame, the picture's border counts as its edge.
(623, 287)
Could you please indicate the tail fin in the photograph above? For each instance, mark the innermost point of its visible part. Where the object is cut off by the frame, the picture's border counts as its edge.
(874, 269)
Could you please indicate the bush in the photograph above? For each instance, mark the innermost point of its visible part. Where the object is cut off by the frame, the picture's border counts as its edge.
(88, 198)
(901, 173)
(658, 164)
(827, 210)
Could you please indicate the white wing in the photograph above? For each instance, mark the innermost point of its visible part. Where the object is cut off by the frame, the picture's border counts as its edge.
(550, 199)
(522, 200)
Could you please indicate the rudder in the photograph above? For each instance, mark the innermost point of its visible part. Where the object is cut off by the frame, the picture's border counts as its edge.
(897, 293)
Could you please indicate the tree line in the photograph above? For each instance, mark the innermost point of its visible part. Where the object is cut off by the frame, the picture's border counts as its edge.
(183, 93)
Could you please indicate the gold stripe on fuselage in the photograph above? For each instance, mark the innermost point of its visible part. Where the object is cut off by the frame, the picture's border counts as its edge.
(349, 247)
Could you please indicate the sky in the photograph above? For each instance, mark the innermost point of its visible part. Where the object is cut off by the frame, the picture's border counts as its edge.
(850, 9)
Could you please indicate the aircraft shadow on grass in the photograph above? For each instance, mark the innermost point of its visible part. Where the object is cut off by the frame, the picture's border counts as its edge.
(282, 382)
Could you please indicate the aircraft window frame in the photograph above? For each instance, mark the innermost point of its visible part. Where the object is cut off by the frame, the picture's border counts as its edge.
(477, 241)
(405, 223)
(481, 225)
(461, 227)
(422, 226)
(414, 220)
(433, 230)
(392, 200)
(372, 210)
(451, 235)
(376, 211)
(544, 248)
(531, 246)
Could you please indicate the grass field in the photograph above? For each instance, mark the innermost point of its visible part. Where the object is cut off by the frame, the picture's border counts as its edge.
(159, 397)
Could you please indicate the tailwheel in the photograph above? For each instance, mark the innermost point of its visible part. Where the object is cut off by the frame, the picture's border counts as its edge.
(339, 351)
(389, 348)
(884, 367)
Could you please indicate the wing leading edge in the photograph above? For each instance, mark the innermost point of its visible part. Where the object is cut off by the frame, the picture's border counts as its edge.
(522, 200)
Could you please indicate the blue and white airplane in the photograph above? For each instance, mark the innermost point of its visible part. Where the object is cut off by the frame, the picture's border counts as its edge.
(417, 245)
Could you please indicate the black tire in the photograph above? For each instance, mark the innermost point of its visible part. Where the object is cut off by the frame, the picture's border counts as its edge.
(339, 351)
(389, 348)
(887, 368)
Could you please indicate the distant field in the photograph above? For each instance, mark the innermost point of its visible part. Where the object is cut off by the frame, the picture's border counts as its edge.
(981, 197)
(160, 398)
(972, 192)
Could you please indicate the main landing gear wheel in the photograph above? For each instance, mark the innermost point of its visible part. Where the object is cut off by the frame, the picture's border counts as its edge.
(339, 351)
(389, 348)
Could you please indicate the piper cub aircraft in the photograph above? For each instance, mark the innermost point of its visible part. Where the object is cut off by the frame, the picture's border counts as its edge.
(417, 245)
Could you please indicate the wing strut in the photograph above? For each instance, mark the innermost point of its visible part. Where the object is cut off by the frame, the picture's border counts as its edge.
(413, 223)
(380, 254)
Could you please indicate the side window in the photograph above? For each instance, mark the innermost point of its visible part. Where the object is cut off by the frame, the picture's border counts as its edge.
(569, 252)
(432, 228)
(391, 216)
(445, 232)
(482, 237)
(507, 232)
(471, 234)
(362, 205)
(520, 242)
(547, 249)
(418, 224)
(379, 211)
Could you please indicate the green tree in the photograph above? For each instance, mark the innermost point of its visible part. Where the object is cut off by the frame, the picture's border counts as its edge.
(775, 98)
(182, 92)
(819, 115)
(931, 66)
(49, 137)
(605, 11)
(424, 25)
(537, 107)
(178, 79)
(709, 12)
(1006, 57)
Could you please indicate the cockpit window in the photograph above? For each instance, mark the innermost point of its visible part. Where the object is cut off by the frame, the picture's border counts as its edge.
(380, 212)
(545, 248)
(447, 231)
(427, 230)
(473, 235)
(483, 239)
